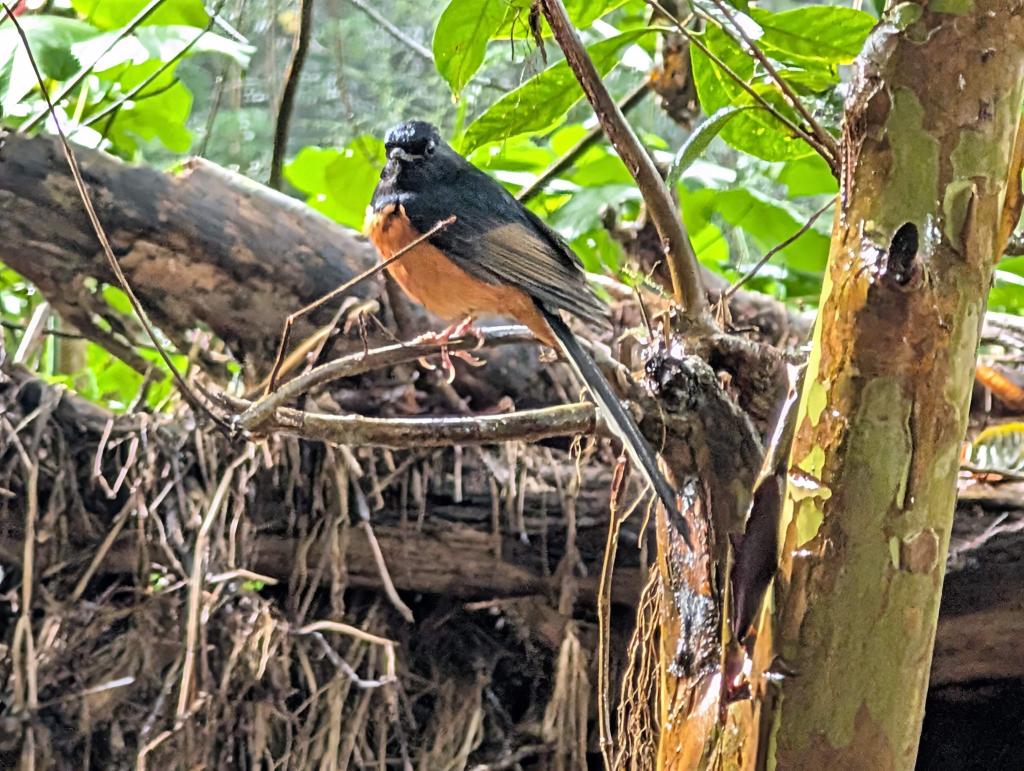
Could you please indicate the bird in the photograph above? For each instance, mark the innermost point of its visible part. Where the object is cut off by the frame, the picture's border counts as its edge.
(496, 257)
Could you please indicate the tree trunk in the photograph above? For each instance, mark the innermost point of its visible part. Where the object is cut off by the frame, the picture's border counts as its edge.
(929, 132)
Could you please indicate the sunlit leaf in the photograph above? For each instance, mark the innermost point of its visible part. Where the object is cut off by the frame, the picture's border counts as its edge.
(461, 37)
(114, 14)
(339, 183)
(543, 100)
(823, 33)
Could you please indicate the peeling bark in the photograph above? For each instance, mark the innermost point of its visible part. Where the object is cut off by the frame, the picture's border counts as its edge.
(930, 125)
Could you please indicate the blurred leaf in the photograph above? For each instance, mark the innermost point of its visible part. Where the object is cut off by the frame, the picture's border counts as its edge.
(582, 13)
(544, 99)
(582, 212)
(114, 14)
(159, 111)
(339, 183)
(808, 176)
(162, 43)
(699, 140)
(821, 33)
(461, 37)
(51, 39)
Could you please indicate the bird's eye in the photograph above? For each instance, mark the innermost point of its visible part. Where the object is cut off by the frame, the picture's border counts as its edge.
(429, 149)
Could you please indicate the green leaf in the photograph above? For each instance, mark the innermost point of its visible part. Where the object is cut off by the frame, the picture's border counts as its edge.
(716, 88)
(461, 37)
(114, 14)
(582, 13)
(808, 176)
(544, 100)
(158, 112)
(339, 183)
(823, 33)
(162, 43)
(699, 140)
(51, 39)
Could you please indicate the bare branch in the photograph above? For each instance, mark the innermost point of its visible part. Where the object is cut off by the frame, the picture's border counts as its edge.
(687, 284)
(291, 88)
(392, 30)
(377, 358)
(359, 431)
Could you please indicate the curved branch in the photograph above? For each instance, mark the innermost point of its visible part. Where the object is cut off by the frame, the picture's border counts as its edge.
(291, 88)
(687, 284)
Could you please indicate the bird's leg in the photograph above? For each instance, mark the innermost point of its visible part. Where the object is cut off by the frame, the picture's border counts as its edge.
(441, 338)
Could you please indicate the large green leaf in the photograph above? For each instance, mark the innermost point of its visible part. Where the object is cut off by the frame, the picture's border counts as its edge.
(831, 34)
(159, 111)
(339, 183)
(756, 132)
(113, 14)
(543, 100)
(461, 37)
(766, 221)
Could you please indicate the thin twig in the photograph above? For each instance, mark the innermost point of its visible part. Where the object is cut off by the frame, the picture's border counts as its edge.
(687, 284)
(101, 234)
(376, 358)
(292, 76)
(627, 103)
(775, 250)
(195, 591)
(395, 32)
(742, 83)
(824, 138)
(288, 322)
(363, 508)
(82, 74)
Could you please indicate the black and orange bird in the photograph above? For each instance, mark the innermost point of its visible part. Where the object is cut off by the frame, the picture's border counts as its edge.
(497, 257)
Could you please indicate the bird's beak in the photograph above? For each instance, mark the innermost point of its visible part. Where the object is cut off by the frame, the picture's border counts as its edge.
(398, 154)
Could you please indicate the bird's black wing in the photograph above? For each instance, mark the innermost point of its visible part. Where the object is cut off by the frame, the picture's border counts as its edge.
(500, 241)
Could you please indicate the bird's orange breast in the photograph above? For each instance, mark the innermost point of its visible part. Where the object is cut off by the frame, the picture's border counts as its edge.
(436, 282)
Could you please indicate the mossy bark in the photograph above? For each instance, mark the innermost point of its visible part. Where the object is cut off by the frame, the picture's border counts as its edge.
(929, 130)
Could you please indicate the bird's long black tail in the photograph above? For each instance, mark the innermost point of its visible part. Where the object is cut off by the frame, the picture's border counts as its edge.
(616, 415)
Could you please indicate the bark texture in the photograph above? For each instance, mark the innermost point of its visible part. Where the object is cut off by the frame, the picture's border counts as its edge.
(929, 129)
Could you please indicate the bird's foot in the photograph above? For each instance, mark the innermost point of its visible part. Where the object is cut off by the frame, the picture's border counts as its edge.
(441, 338)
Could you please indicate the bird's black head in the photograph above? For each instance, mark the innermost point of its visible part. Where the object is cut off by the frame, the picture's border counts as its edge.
(412, 140)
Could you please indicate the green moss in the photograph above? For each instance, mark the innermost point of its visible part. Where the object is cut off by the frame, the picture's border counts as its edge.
(958, 7)
(955, 205)
(912, 192)
(817, 398)
(813, 462)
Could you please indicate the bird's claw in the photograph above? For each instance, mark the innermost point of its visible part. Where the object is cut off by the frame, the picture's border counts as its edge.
(441, 338)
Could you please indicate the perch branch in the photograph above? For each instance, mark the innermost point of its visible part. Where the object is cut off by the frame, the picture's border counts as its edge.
(288, 93)
(288, 322)
(376, 358)
(688, 287)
